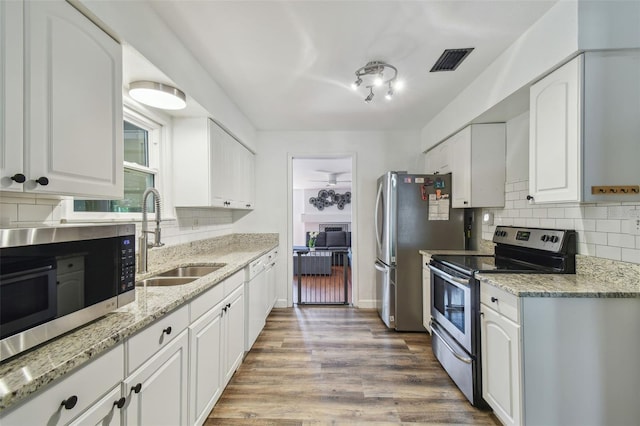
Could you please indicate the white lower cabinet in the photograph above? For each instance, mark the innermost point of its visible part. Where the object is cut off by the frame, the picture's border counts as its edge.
(558, 361)
(106, 412)
(157, 392)
(233, 333)
(426, 292)
(205, 352)
(501, 365)
(65, 400)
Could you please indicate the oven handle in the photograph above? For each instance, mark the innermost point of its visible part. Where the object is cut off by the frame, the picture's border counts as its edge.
(448, 277)
(434, 329)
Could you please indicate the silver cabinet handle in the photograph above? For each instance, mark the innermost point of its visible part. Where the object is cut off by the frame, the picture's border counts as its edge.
(380, 268)
(448, 277)
(434, 329)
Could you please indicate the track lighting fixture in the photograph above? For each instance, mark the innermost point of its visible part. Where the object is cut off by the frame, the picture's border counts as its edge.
(370, 97)
(376, 74)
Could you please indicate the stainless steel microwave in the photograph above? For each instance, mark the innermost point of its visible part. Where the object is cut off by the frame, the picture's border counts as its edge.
(53, 280)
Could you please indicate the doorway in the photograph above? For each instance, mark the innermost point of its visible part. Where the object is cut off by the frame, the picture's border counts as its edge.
(322, 227)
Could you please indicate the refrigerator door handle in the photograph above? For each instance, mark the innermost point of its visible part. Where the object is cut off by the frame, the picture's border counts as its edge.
(380, 267)
(375, 218)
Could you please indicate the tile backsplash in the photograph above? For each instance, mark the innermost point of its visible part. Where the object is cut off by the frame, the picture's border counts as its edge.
(604, 229)
(189, 224)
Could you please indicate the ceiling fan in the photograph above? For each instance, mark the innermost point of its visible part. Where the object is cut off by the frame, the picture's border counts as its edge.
(332, 178)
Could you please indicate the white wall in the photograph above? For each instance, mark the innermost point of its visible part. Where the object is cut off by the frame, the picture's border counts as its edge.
(375, 153)
(603, 228)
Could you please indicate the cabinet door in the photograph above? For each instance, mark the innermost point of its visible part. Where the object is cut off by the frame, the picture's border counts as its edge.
(73, 122)
(205, 352)
(426, 293)
(256, 296)
(104, 412)
(157, 391)
(460, 146)
(555, 135)
(438, 159)
(217, 165)
(11, 94)
(234, 333)
(500, 339)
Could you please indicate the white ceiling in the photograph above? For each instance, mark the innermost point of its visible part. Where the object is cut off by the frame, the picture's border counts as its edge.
(310, 173)
(288, 65)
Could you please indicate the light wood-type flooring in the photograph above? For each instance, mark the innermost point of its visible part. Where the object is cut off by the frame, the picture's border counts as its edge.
(338, 365)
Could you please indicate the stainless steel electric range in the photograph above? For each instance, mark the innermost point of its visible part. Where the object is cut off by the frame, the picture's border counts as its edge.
(455, 294)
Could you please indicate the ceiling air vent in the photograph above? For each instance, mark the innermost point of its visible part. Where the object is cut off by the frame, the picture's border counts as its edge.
(450, 59)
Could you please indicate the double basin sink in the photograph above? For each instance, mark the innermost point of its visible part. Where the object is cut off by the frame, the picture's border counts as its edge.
(181, 275)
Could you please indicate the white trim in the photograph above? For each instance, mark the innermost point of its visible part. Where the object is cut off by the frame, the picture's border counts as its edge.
(354, 221)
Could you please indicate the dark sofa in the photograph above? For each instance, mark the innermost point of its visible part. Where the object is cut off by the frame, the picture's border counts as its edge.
(332, 240)
(336, 241)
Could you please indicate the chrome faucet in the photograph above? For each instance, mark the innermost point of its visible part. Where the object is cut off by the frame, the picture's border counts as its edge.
(143, 241)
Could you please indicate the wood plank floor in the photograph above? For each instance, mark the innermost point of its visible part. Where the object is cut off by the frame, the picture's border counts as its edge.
(338, 365)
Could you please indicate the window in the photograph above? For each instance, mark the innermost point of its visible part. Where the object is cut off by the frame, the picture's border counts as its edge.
(141, 141)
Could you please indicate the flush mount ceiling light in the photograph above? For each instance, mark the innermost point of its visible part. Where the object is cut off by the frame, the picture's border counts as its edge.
(157, 95)
(377, 74)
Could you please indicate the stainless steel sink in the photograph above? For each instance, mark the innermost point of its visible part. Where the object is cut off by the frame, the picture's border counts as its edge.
(165, 281)
(192, 271)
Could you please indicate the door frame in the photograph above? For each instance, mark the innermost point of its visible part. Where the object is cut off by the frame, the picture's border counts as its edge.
(354, 220)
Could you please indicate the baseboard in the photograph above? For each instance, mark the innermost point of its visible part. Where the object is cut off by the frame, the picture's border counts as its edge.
(366, 304)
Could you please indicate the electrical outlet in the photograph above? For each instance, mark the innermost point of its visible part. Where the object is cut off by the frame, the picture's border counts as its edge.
(195, 225)
(634, 226)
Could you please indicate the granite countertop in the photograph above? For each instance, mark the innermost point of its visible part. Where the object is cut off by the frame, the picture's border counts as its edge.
(27, 373)
(595, 277)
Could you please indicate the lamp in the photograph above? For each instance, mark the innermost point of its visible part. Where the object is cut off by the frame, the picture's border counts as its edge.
(157, 95)
(376, 74)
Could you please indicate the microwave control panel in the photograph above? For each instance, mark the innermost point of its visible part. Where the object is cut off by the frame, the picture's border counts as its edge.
(127, 264)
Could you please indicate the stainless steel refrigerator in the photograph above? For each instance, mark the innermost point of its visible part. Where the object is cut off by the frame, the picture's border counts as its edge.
(413, 212)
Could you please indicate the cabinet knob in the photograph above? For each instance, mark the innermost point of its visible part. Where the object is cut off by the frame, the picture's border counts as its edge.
(465, 202)
(120, 403)
(494, 299)
(19, 178)
(70, 402)
(43, 181)
(529, 197)
(137, 388)
(228, 305)
(167, 331)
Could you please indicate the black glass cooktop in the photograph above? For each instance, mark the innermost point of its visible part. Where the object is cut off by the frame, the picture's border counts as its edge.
(484, 263)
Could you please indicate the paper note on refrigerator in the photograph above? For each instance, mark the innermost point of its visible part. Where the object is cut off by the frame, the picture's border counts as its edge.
(438, 209)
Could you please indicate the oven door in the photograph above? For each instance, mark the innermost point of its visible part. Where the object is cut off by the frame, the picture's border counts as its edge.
(451, 304)
(27, 294)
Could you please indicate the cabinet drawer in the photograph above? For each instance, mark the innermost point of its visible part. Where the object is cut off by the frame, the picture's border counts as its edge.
(233, 282)
(87, 384)
(501, 301)
(156, 336)
(206, 301)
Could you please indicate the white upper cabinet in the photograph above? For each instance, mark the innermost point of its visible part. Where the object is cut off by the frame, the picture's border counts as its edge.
(554, 135)
(72, 90)
(437, 159)
(584, 130)
(211, 168)
(11, 95)
(478, 166)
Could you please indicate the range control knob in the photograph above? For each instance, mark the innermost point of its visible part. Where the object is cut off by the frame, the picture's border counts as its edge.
(545, 238)
(503, 233)
(554, 239)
